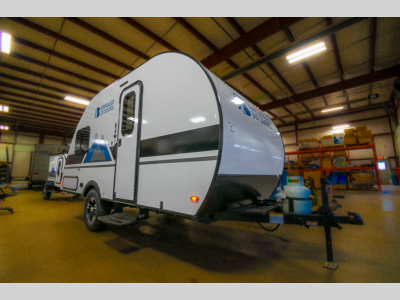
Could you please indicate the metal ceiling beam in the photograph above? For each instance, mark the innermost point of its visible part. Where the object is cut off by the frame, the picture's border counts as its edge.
(261, 32)
(29, 125)
(57, 69)
(41, 130)
(49, 78)
(147, 32)
(336, 87)
(337, 57)
(373, 43)
(107, 37)
(42, 118)
(63, 57)
(356, 110)
(69, 41)
(35, 84)
(64, 106)
(39, 119)
(372, 49)
(282, 52)
(61, 113)
(331, 106)
(258, 51)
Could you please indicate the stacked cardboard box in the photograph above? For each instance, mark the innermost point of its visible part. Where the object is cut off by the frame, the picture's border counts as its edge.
(326, 164)
(362, 178)
(327, 141)
(340, 153)
(364, 136)
(313, 143)
(303, 145)
(350, 137)
(293, 172)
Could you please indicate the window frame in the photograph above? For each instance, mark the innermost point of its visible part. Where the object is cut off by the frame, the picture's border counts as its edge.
(81, 140)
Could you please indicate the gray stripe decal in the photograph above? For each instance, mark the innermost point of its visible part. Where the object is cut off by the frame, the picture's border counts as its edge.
(207, 158)
(102, 166)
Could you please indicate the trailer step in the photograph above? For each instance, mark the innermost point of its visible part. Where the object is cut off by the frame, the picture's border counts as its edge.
(253, 209)
(119, 219)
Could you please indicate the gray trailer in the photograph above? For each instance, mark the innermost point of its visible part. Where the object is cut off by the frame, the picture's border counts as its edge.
(39, 170)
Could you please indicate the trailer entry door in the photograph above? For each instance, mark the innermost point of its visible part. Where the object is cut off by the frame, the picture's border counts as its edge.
(124, 187)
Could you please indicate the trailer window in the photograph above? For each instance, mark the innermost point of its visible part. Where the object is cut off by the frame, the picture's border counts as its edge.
(82, 140)
(128, 118)
(59, 168)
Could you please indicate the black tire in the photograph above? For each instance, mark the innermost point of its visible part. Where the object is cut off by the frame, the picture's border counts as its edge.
(45, 194)
(93, 209)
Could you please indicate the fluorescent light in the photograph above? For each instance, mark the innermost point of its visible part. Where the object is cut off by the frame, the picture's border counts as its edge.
(1, 127)
(341, 126)
(306, 52)
(6, 127)
(5, 42)
(132, 119)
(80, 101)
(1, 107)
(5, 108)
(237, 101)
(198, 119)
(331, 109)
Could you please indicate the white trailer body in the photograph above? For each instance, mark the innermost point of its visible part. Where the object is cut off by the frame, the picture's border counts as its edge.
(170, 130)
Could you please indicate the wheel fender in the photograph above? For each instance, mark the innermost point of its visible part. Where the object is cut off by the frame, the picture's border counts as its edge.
(91, 184)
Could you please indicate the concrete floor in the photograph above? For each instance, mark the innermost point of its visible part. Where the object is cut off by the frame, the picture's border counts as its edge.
(47, 241)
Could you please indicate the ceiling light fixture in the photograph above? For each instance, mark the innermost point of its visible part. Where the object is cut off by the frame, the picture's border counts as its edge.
(306, 52)
(331, 109)
(4, 108)
(76, 100)
(341, 126)
(5, 42)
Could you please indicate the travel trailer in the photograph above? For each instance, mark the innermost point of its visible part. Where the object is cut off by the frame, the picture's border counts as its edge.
(171, 137)
(55, 173)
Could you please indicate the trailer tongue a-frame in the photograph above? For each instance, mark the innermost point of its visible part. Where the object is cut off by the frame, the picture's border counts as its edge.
(171, 137)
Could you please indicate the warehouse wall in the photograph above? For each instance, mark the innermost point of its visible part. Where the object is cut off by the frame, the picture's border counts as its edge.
(384, 144)
(20, 147)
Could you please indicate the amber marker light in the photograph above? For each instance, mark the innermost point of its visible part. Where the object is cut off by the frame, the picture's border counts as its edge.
(61, 184)
(194, 199)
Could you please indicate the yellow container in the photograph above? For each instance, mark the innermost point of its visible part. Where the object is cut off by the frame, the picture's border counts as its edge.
(366, 140)
(348, 141)
(327, 137)
(364, 134)
(349, 132)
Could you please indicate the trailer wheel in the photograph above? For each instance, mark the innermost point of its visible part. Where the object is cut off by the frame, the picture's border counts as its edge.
(45, 194)
(93, 209)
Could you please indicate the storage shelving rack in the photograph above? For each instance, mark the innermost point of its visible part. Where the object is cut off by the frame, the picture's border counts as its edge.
(320, 150)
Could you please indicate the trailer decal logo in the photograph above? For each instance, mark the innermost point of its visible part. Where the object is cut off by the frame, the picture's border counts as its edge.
(101, 110)
(253, 112)
(98, 151)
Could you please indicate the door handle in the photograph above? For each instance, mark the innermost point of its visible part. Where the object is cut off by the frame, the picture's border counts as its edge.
(119, 142)
(115, 151)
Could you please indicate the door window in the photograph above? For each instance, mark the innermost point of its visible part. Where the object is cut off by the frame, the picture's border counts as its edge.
(128, 117)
